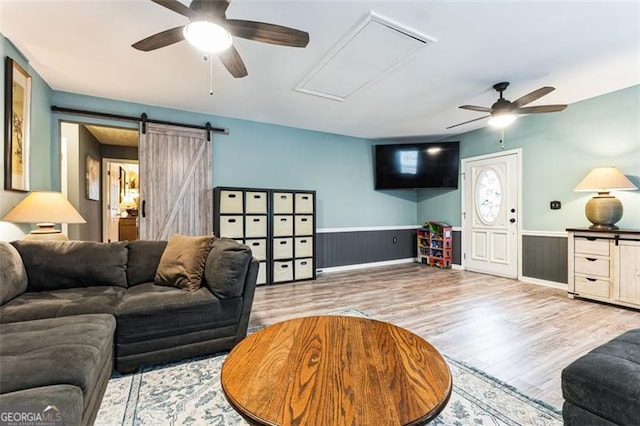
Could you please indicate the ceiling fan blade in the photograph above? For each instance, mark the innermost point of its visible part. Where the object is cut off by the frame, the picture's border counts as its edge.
(232, 61)
(214, 7)
(467, 122)
(536, 94)
(267, 33)
(475, 108)
(162, 39)
(540, 108)
(176, 6)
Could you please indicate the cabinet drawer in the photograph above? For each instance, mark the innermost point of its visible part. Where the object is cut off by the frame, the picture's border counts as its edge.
(584, 245)
(256, 202)
(303, 247)
(282, 226)
(592, 286)
(255, 226)
(230, 201)
(258, 248)
(282, 202)
(282, 248)
(231, 226)
(304, 225)
(282, 271)
(304, 203)
(592, 266)
(262, 273)
(303, 269)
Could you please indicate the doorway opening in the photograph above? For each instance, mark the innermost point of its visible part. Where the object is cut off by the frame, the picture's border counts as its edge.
(99, 176)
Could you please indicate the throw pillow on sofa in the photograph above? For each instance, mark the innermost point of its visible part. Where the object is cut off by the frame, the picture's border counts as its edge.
(13, 276)
(182, 263)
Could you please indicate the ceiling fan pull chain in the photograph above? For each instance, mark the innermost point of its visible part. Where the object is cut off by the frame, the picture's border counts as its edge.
(502, 138)
(210, 74)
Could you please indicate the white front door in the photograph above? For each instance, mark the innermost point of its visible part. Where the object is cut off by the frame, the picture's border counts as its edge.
(491, 213)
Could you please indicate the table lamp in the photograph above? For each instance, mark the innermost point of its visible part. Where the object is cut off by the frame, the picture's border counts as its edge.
(45, 209)
(604, 210)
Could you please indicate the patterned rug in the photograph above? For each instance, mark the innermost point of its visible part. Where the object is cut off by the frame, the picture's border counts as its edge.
(189, 393)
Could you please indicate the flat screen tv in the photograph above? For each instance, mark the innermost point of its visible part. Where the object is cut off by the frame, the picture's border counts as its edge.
(417, 165)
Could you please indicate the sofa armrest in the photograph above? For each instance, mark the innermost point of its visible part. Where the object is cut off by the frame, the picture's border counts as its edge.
(13, 274)
(247, 299)
(226, 268)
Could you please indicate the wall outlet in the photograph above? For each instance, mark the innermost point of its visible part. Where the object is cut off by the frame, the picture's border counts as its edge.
(555, 205)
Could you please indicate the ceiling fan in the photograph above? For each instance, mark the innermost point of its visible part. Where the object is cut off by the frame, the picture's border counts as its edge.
(210, 31)
(504, 112)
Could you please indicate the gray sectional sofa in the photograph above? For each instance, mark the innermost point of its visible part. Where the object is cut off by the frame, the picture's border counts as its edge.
(602, 388)
(73, 311)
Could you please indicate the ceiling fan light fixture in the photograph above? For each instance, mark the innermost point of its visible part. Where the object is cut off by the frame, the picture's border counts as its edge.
(207, 36)
(502, 120)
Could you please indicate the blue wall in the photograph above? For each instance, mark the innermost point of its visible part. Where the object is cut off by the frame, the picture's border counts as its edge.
(558, 150)
(40, 139)
(261, 155)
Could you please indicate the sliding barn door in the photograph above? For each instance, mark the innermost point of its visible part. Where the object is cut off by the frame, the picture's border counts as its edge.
(175, 182)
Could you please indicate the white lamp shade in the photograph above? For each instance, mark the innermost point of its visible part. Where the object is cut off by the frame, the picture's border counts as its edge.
(44, 207)
(605, 179)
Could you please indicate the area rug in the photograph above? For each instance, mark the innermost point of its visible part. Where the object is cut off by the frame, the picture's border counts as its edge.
(189, 393)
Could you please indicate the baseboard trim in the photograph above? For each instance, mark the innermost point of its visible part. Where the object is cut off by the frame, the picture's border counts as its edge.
(545, 283)
(363, 265)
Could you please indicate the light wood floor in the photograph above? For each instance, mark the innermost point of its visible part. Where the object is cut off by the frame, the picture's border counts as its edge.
(521, 333)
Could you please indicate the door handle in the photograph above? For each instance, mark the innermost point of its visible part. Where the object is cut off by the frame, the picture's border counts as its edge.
(512, 220)
(144, 208)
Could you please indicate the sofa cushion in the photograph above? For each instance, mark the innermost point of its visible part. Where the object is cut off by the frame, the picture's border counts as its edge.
(71, 350)
(67, 400)
(149, 311)
(182, 263)
(13, 276)
(605, 380)
(61, 303)
(226, 268)
(144, 257)
(55, 265)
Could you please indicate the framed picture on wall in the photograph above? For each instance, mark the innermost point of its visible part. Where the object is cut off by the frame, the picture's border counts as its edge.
(17, 109)
(93, 178)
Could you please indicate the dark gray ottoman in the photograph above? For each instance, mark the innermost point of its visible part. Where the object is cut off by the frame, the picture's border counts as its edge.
(603, 386)
(63, 362)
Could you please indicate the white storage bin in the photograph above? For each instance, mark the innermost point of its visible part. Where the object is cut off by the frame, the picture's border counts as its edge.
(304, 225)
(258, 248)
(282, 248)
(282, 226)
(231, 202)
(256, 202)
(282, 202)
(262, 273)
(282, 271)
(303, 247)
(255, 226)
(303, 269)
(304, 203)
(231, 226)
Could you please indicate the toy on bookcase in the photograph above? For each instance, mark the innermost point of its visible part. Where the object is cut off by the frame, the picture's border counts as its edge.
(435, 244)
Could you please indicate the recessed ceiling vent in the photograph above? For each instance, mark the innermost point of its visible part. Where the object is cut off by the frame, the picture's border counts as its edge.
(371, 51)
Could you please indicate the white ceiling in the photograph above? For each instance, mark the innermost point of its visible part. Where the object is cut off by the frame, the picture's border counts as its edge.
(584, 49)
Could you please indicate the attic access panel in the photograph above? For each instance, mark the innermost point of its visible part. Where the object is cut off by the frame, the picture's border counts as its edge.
(374, 49)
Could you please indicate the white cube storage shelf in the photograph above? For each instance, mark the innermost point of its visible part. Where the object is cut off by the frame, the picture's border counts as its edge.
(282, 202)
(258, 248)
(277, 225)
(256, 202)
(231, 202)
(303, 247)
(282, 271)
(282, 225)
(255, 226)
(283, 248)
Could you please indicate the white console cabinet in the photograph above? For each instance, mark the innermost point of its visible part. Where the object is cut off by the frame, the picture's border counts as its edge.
(605, 265)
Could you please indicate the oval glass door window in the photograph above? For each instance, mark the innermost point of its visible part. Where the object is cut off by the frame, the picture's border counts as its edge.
(488, 195)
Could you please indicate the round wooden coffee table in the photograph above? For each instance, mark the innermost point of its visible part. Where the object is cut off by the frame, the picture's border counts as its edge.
(336, 370)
